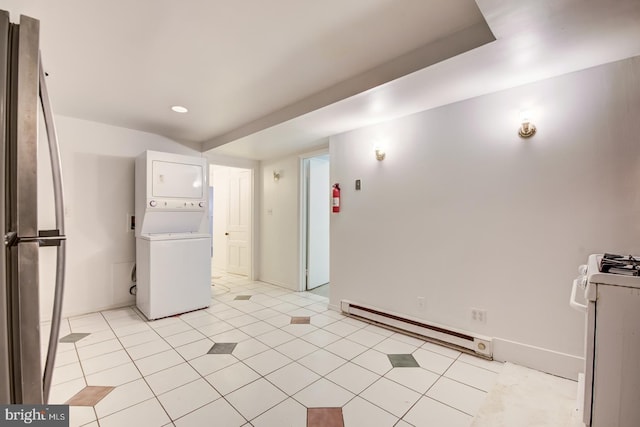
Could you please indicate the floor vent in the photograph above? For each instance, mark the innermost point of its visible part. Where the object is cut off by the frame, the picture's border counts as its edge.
(460, 340)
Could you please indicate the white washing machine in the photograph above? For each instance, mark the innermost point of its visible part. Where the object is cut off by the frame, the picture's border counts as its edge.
(174, 273)
(173, 240)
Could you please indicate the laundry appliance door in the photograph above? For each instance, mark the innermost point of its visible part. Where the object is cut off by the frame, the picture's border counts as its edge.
(173, 273)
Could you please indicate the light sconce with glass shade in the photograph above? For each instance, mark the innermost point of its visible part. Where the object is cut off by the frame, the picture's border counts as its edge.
(380, 154)
(276, 175)
(527, 129)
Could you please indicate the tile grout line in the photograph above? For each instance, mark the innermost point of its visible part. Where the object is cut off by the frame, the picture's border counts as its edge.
(240, 361)
(138, 369)
(346, 361)
(424, 395)
(242, 288)
(203, 377)
(325, 375)
(296, 361)
(84, 378)
(156, 396)
(132, 361)
(380, 376)
(443, 376)
(269, 347)
(342, 364)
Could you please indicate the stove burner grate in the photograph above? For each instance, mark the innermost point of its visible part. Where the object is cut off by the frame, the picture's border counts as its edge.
(620, 264)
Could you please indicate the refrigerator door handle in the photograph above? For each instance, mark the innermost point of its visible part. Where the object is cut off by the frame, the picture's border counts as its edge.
(50, 238)
(44, 238)
(56, 170)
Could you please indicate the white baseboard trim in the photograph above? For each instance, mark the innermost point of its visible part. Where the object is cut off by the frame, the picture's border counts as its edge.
(542, 359)
(334, 307)
(76, 313)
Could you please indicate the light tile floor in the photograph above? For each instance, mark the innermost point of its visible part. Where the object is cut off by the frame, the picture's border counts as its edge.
(164, 375)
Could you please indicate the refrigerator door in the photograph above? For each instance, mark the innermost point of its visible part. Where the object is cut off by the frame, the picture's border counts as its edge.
(5, 389)
(26, 368)
(21, 306)
(22, 79)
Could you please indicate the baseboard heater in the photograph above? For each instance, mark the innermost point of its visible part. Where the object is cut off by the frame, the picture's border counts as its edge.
(460, 340)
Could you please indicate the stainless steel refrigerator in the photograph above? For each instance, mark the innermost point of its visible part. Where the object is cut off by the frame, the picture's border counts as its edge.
(23, 379)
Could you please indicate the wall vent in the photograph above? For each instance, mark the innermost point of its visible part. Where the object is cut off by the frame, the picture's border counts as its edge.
(460, 340)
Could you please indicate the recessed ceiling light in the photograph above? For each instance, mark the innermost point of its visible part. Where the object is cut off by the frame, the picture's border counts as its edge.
(179, 109)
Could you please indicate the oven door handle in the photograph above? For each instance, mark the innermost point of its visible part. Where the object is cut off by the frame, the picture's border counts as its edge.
(572, 300)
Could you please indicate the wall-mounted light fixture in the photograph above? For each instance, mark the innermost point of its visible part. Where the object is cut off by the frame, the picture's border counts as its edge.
(527, 129)
(276, 175)
(380, 154)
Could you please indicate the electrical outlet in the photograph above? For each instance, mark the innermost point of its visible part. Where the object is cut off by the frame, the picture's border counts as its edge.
(131, 222)
(421, 303)
(479, 315)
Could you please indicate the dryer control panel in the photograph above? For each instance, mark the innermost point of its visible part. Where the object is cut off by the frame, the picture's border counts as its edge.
(170, 193)
(175, 204)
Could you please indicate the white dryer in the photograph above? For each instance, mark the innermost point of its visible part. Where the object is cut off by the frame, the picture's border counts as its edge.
(173, 243)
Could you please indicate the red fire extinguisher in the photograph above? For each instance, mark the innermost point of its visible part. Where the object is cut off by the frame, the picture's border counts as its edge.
(336, 198)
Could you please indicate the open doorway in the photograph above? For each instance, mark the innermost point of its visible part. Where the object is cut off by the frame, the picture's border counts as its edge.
(316, 216)
(231, 223)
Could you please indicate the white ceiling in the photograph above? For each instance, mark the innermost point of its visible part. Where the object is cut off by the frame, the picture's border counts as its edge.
(264, 79)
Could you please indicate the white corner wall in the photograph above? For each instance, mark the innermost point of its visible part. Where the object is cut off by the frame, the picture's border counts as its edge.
(466, 214)
(98, 174)
(280, 223)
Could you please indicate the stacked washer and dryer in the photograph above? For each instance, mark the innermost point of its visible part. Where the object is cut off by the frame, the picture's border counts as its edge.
(173, 241)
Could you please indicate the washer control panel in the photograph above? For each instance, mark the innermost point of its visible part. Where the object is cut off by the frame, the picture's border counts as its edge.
(175, 204)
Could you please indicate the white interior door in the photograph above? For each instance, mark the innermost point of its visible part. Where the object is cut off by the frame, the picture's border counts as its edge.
(318, 215)
(238, 218)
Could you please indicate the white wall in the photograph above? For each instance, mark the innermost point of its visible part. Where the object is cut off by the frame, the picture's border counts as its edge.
(98, 169)
(280, 223)
(465, 213)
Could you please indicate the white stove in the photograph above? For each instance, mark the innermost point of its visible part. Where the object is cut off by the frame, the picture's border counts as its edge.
(612, 342)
